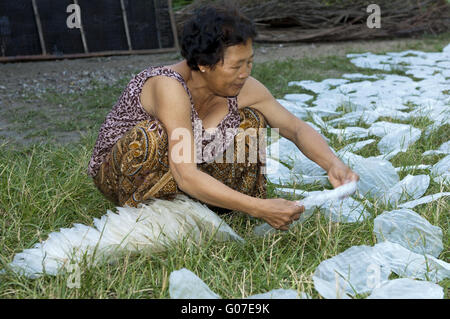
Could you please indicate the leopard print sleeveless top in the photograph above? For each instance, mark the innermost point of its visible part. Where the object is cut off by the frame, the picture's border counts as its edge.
(128, 112)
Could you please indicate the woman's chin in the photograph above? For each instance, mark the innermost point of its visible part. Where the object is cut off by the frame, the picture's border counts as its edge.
(236, 90)
(232, 91)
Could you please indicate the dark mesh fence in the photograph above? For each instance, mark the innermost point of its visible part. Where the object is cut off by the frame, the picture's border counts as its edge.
(149, 26)
(141, 22)
(103, 25)
(18, 32)
(59, 39)
(163, 24)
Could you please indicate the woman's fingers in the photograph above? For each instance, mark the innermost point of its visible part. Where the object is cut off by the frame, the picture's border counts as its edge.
(299, 209)
(283, 213)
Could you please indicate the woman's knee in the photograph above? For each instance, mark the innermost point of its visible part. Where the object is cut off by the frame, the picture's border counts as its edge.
(140, 147)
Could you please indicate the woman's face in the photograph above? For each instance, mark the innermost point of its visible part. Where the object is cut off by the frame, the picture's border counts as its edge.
(228, 78)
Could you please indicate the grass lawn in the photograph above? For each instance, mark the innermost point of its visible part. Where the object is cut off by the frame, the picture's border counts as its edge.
(44, 187)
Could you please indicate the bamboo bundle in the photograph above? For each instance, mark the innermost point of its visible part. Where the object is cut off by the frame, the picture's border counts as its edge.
(336, 20)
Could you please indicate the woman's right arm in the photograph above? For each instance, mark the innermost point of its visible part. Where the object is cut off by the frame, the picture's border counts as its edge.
(173, 109)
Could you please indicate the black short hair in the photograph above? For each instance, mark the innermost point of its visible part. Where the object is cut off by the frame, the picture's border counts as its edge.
(210, 31)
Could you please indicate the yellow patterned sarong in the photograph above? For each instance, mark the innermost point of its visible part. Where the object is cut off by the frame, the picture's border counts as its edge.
(137, 168)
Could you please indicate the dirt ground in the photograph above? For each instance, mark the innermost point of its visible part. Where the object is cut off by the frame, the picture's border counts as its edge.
(23, 83)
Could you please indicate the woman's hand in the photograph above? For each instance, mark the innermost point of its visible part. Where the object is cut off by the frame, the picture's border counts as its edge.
(280, 213)
(340, 174)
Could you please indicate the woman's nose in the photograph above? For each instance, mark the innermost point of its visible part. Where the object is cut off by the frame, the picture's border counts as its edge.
(246, 72)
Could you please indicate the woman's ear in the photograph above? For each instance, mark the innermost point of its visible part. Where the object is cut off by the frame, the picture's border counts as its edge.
(204, 68)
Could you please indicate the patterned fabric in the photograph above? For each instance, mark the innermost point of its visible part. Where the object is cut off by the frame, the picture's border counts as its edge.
(137, 168)
(128, 112)
(213, 142)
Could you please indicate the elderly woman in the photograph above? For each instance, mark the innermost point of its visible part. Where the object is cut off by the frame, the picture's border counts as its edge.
(209, 94)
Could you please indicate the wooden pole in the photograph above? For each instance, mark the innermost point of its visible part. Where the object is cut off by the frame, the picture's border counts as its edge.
(18, 58)
(39, 27)
(125, 23)
(174, 26)
(83, 37)
(158, 33)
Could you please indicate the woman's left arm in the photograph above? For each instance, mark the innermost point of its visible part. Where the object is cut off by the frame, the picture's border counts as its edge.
(309, 142)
